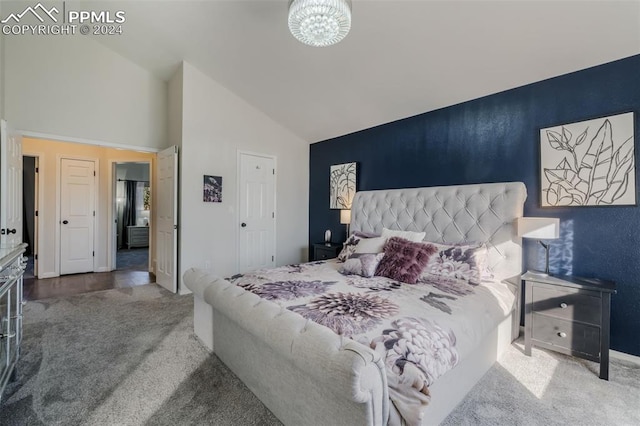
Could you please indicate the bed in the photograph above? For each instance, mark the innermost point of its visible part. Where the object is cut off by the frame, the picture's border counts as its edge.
(306, 373)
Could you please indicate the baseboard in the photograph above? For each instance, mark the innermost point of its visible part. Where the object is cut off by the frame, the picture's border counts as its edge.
(624, 357)
(103, 269)
(44, 275)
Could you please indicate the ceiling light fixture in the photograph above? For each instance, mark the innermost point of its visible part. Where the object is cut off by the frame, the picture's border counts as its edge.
(319, 23)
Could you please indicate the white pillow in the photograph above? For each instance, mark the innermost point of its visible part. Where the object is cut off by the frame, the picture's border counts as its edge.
(416, 237)
(370, 245)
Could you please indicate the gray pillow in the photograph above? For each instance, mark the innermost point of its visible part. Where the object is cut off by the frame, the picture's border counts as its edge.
(362, 264)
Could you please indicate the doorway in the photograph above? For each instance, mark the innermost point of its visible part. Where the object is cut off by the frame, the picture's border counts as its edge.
(256, 211)
(29, 212)
(132, 212)
(78, 188)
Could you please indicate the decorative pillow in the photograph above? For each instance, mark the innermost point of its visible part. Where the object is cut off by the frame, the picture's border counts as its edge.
(363, 234)
(404, 260)
(348, 247)
(416, 237)
(465, 261)
(370, 245)
(362, 264)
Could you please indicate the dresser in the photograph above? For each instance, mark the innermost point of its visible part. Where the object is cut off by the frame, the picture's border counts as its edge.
(570, 315)
(324, 251)
(137, 236)
(12, 265)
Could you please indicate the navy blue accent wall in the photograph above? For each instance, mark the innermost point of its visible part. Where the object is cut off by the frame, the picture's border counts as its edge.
(496, 139)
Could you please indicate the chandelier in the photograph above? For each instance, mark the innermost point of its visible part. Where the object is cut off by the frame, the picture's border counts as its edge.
(320, 23)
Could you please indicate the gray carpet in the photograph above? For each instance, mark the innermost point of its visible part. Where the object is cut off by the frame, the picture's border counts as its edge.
(551, 389)
(122, 357)
(128, 357)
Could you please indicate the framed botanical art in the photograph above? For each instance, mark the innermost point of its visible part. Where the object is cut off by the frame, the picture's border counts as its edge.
(342, 186)
(589, 163)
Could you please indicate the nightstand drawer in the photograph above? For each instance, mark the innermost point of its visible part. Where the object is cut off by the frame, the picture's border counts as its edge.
(567, 303)
(323, 254)
(566, 334)
(326, 251)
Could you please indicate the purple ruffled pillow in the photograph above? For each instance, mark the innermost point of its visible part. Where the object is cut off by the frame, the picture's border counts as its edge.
(404, 260)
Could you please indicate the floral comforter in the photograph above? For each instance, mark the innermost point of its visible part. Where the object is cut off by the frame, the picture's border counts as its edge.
(421, 330)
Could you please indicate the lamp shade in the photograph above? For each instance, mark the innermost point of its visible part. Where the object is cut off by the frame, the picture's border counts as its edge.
(541, 228)
(345, 217)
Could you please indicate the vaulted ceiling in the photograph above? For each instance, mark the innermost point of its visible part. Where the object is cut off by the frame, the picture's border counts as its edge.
(401, 58)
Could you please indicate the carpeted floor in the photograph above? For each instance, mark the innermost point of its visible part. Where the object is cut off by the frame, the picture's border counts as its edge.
(551, 389)
(122, 357)
(128, 357)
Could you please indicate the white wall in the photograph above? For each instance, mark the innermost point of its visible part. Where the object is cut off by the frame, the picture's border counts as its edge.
(74, 86)
(133, 171)
(2, 62)
(216, 124)
(174, 107)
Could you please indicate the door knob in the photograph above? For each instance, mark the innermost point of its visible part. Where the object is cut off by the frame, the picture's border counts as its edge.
(64, 222)
(244, 225)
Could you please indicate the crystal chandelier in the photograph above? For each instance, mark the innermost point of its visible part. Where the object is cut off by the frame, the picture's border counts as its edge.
(320, 23)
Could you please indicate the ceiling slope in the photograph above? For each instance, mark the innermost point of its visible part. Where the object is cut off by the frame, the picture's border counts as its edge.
(401, 58)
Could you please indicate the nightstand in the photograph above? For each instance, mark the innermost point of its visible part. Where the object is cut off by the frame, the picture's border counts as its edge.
(570, 315)
(324, 251)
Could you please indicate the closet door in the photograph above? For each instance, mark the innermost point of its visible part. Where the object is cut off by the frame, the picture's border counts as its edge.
(10, 186)
(166, 206)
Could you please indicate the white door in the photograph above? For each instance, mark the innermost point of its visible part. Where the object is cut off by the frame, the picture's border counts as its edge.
(10, 185)
(77, 215)
(256, 207)
(166, 206)
(36, 222)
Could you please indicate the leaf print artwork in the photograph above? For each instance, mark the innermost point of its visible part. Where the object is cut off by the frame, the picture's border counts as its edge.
(590, 163)
(342, 185)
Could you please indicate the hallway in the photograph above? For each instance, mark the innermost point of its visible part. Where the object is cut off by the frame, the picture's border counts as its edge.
(67, 285)
(132, 271)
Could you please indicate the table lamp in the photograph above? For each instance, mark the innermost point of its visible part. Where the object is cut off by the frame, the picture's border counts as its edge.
(540, 228)
(345, 219)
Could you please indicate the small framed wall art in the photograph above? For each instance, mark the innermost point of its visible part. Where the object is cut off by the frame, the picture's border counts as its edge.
(589, 163)
(212, 192)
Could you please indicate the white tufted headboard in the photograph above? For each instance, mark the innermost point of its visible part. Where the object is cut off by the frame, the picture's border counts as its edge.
(452, 214)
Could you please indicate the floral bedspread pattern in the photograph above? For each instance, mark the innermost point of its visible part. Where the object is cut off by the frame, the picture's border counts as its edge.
(421, 330)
